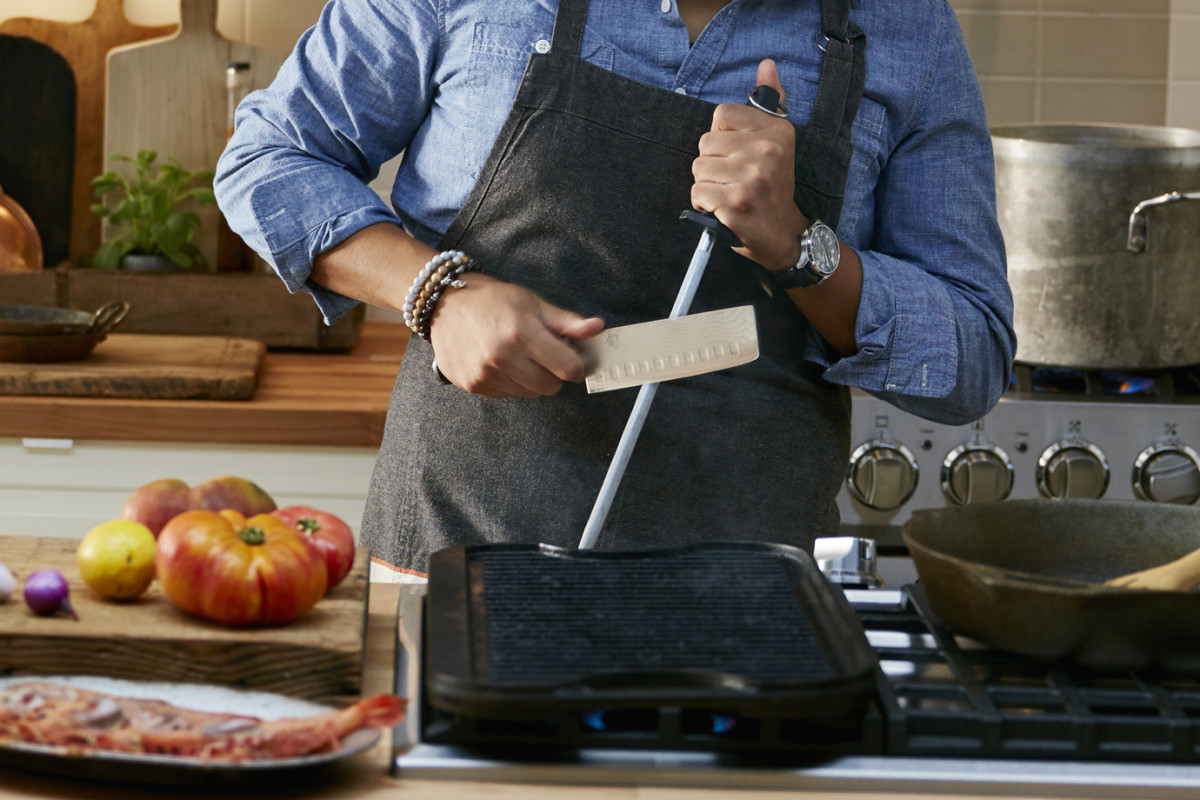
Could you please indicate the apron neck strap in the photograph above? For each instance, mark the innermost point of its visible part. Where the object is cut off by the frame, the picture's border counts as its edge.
(569, 23)
(835, 17)
(843, 69)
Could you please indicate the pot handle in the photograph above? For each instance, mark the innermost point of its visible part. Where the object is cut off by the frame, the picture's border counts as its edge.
(108, 316)
(1138, 238)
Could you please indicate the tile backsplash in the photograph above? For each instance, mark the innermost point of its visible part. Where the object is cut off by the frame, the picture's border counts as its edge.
(1086, 60)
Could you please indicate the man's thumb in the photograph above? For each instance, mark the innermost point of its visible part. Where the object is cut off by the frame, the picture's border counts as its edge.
(768, 75)
(570, 325)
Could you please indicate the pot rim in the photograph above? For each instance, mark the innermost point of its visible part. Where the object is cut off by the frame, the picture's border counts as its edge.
(1092, 143)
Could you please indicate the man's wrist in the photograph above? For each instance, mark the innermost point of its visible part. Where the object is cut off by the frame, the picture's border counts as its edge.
(819, 254)
(795, 249)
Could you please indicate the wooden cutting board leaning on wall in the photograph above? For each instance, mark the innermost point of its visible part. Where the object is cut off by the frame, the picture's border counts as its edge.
(37, 140)
(169, 96)
(85, 46)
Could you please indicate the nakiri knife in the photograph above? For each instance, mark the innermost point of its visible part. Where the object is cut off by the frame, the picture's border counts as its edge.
(766, 99)
(667, 349)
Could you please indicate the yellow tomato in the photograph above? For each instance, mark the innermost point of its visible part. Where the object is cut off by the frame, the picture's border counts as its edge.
(116, 559)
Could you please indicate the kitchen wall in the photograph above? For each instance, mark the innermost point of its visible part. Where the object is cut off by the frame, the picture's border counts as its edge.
(1183, 76)
(1038, 60)
(1086, 60)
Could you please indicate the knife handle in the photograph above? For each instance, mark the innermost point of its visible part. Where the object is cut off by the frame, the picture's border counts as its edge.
(765, 99)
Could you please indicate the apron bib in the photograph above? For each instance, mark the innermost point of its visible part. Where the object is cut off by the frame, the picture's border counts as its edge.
(756, 452)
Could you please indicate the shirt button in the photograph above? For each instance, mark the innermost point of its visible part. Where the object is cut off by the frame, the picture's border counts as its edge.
(680, 90)
(666, 6)
(542, 46)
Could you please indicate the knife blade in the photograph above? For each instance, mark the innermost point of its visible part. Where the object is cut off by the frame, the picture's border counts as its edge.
(667, 349)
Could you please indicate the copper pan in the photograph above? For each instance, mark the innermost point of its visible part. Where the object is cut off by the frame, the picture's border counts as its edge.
(1027, 576)
(20, 245)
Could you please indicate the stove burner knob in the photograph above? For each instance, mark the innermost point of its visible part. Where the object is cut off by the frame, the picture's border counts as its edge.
(976, 473)
(1167, 473)
(882, 475)
(1072, 468)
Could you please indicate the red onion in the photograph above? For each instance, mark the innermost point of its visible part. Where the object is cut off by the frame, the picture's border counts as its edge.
(46, 593)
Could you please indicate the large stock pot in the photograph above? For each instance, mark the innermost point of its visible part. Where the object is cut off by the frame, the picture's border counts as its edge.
(1103, 239)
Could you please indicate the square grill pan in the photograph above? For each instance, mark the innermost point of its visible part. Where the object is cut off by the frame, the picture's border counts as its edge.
(744, 632)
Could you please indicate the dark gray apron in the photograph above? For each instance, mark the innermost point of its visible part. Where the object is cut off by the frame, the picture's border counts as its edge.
(579, 201)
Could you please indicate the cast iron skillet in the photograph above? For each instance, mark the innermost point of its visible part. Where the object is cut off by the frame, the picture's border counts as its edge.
(42, 334)
(1026, 576)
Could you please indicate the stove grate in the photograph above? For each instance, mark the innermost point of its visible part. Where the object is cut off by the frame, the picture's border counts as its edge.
(948, 696)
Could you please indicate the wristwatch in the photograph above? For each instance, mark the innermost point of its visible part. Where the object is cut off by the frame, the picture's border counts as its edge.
(819, 254)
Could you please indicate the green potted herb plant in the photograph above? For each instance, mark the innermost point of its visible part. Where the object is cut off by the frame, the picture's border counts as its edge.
(157, 229)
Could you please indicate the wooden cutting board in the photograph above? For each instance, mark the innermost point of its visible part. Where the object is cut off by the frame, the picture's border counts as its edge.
(85, 46)
(147, 366)
(317, 656)
(169, 96)
(37, 138)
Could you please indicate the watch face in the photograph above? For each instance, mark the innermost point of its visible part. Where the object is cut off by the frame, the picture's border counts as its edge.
(825, 250)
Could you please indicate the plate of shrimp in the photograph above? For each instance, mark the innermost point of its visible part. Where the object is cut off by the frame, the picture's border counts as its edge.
(104, 725)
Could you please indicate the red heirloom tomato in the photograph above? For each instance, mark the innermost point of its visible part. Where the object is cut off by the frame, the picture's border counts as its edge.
(238, 571)
(327, 533)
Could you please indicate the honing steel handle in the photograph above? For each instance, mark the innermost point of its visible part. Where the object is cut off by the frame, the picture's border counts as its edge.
(1178, 576)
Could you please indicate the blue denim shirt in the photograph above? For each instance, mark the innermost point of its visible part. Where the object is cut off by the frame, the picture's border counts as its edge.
(435, 79)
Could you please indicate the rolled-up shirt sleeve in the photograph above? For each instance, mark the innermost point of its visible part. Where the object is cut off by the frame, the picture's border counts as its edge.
(293, 180)
(934, 331)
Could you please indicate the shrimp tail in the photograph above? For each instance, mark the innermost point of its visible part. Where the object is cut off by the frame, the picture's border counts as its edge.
(291, 737)
(382, 711)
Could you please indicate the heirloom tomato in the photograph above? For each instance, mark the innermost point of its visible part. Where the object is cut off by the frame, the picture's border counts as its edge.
(157, 502)
(238, 571)
(328, 534)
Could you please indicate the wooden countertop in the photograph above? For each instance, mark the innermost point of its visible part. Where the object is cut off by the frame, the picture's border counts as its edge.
(303, 398)
(367, 775)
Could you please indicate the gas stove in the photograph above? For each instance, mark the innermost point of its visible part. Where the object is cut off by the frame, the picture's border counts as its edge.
(948, 716)
(1056, 433)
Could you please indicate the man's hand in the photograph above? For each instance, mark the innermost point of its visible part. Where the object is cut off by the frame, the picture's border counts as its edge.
(498, 339)
(746, 176)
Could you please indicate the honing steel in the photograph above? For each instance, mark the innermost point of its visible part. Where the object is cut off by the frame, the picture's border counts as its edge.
(712, 232)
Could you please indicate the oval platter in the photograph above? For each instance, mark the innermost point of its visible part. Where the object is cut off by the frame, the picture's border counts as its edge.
(163, 770)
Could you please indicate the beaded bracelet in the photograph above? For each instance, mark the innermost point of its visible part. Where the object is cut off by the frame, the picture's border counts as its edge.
(441, 273)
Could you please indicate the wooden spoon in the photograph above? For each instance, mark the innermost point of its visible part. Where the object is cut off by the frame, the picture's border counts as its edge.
(1179, 575)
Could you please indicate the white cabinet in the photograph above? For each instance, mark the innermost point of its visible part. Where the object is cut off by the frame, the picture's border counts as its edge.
(60, 487)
